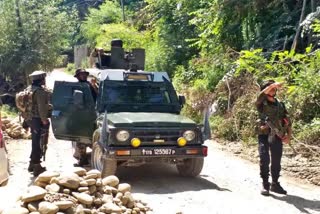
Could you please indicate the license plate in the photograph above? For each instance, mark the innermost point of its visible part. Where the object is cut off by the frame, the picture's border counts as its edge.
(158, 152)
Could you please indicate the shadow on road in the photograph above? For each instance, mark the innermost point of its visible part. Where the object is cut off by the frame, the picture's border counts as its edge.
(162, 179)
(300, 203)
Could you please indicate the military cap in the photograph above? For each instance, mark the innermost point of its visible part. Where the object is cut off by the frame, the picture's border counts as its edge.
(80, 70)
(265, 84)
(38, 75)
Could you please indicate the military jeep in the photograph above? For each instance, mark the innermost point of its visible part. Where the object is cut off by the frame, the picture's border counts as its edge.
(135, 120)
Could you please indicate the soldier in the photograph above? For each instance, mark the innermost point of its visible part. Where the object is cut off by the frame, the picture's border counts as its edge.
(40, 121)
(273, 128)
(82, 76)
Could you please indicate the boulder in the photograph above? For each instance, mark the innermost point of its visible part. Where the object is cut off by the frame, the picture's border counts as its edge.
(71, 180)
(112, 208)
(34, 193)
(63, 205)
(94, 173)
(16, 210)
(79, 171)
(91, 181)
(110, 181)
(48, 208)
(124, 187)
(47, 176)
(84, 198)
(53, 188)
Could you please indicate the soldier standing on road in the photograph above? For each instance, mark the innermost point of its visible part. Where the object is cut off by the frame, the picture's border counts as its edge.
(40, 121)
(271, 137)
(82, 76)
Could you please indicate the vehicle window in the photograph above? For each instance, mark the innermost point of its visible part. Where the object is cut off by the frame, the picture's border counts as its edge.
(137, 95)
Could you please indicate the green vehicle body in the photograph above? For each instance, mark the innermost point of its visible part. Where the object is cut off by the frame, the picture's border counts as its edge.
(143, 104)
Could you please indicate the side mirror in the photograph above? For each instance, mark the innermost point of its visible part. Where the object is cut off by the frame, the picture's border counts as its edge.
(78, 98)
(182, 100)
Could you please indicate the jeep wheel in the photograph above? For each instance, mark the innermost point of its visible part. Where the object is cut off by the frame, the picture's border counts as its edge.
(105, 166)
(190, 167)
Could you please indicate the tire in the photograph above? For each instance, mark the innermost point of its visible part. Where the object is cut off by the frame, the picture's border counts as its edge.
(190, 167)
(106, 166)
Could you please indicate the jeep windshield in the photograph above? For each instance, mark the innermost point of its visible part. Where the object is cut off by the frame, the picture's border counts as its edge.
(137, 96)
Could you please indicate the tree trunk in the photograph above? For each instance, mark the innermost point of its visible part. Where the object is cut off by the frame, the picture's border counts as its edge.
(296, 37)
(313, 6)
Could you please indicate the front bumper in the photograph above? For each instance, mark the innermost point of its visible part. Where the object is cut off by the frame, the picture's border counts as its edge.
(125, 153)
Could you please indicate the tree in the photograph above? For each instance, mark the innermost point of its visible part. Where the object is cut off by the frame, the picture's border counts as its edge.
(32, 33)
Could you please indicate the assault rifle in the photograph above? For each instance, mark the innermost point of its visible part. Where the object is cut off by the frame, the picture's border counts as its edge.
(44, 140)
(274, 131)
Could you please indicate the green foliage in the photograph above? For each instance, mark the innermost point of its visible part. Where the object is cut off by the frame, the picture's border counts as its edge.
(7, 111)
(109, 12)
(33, 33)
(310, 133)
(70, 68)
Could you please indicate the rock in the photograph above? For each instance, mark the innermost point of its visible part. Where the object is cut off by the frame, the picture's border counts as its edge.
(87, 211)
(84, 198)
(112, 208)
(110, 181)
(48, 208)
(66, 191)
(71, 181)
(47, 176)
(63, 205)
(140, 206)
(124, 187)
(107, 198)
(124, 200)
(16, 210)
(97, 201)
(53, 188)
(94, 172)
(34, 193)
(36, 213)
(116, 200)
(54, 180)
(119, 195)
(92, 189)
(99, 182)
(40, 184)
(92, 176)
(129, 196)
(79, 171)
(91, 181)
(33, 206)
(83, 189)
(84, 184)
(79, 209)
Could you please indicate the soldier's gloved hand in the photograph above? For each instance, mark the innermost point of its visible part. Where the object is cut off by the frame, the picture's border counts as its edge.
(45, 122)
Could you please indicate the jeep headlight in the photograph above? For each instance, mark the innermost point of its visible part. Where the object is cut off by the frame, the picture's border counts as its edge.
(122, 135)
(189, 135)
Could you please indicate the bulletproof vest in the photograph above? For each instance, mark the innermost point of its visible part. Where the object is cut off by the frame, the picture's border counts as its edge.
(275, 112)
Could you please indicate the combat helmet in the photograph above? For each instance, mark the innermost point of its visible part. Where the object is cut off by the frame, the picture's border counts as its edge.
(79, 71)
(38, 75)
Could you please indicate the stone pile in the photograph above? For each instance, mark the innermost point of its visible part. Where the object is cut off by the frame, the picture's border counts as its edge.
(13, 129)
(79, 192)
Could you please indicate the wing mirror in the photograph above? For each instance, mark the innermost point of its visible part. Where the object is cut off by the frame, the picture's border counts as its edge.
(78, 98)
(182, 100)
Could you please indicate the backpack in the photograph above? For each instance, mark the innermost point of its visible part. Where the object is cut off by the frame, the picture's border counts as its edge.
(24, 102)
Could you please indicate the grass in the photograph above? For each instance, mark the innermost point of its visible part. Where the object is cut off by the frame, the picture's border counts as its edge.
(7, 111)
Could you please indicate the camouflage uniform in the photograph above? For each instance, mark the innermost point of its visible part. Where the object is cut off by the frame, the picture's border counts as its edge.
(276, 113)
(40, 113)
(82, 148)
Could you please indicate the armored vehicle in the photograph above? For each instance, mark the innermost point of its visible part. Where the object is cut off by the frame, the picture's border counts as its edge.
(135, 120)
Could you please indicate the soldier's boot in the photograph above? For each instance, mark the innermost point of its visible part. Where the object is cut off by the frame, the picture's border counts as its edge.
(265, 188)
(38, 169)
(30, 167)
(277, 188)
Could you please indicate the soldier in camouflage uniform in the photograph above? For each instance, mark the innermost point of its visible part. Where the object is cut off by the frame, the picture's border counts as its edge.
(82, 76)
(273, 128)
(40, 121)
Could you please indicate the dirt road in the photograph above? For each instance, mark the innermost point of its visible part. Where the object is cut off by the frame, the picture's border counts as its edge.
(227, 184)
